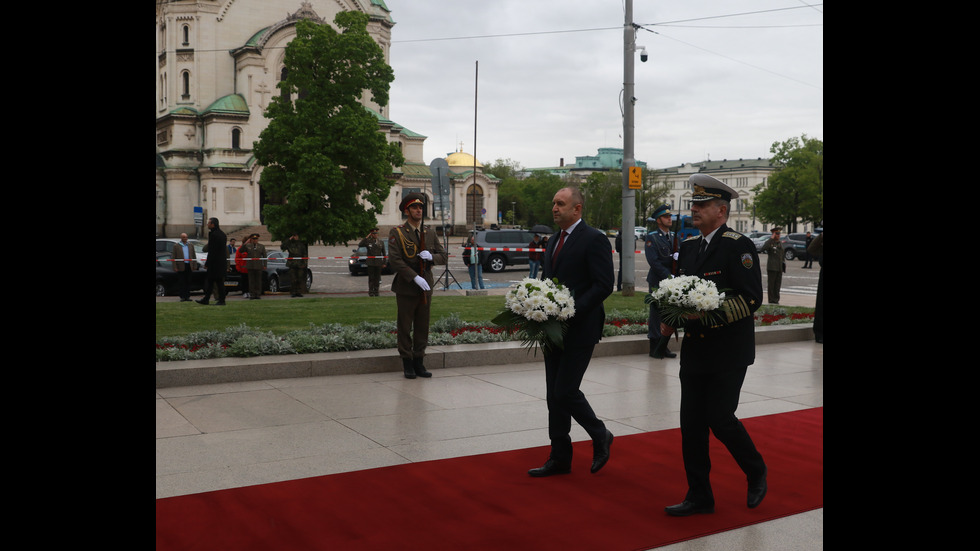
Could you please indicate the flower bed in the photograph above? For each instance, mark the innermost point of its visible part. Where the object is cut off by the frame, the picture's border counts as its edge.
(242, 341)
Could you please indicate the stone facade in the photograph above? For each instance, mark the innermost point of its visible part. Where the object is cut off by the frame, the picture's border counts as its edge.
(218, 63)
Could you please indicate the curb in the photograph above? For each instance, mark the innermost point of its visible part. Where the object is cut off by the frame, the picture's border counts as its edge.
(231, 370)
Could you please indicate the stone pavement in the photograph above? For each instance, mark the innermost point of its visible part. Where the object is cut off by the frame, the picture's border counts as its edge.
(250, 421)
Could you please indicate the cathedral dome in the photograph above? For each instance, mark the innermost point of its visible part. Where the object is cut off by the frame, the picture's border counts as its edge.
(461, 159)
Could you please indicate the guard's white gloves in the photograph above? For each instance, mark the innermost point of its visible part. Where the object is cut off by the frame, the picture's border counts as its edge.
(676, 255)
(421, 283)
(425, 255)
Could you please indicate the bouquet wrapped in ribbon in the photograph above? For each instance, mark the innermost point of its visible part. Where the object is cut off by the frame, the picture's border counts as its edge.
(682, 298)
(538, 311)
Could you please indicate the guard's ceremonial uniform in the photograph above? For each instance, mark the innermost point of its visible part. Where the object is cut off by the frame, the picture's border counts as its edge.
(404, 246)
(375, 261)
(775, 266)
(659, 251)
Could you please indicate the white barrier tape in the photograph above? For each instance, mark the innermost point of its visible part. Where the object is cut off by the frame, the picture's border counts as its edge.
(506, 249)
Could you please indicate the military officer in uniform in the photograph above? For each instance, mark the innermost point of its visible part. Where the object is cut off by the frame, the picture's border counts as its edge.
(412, 250)
(375, 260)
(255, 263)
(716, 355)
(659, 249)
(775, 265)
(297, 263)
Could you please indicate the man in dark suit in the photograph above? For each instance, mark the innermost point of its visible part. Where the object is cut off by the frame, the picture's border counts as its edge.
(715, 355)
(581, 258)
(216, 263)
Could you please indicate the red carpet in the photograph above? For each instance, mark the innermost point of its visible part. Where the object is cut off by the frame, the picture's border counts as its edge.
(489, 502)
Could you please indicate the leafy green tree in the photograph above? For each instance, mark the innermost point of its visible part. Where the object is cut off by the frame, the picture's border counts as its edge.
(532, 196)
(322, 151)
(504, 168)
(794, 192)
(652, 195)
(603, 199)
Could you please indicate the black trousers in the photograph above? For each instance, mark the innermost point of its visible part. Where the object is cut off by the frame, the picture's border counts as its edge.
(184, 283)
(564, 371)
(215, 279)
(708, 403)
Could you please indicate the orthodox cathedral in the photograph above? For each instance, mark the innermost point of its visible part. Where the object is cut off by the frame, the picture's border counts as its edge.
(218, 63)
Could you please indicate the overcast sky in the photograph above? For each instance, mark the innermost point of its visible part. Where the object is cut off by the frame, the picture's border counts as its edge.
(724, 78)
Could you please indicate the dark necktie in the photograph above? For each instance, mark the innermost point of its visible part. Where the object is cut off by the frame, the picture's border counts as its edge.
(561, 241)
(704, 245)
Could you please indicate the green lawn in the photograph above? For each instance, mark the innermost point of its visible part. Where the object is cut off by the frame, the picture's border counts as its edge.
(281, 316)
(176, 319)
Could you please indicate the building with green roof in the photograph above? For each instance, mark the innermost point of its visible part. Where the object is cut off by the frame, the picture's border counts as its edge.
(218, 66)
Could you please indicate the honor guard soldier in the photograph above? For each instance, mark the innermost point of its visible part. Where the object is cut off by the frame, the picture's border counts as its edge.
(412, 250)
(659, 247)
(375, 260)
(775, 265)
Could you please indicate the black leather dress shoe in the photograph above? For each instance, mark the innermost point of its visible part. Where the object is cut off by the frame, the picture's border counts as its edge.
(600, 452)
(669, 354)
(549, 468)
(757, 491)
(688, 508)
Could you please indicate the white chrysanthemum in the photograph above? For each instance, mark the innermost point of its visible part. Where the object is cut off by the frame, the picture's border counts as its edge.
(567, 312)
(538, 315)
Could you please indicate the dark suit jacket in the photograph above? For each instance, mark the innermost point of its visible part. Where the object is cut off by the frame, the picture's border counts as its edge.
(217, 250)
(584, 265)
(732, 263)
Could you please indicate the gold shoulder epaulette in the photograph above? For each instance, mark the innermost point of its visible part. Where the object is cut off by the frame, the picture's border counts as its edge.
(732, 234)
(693, 237)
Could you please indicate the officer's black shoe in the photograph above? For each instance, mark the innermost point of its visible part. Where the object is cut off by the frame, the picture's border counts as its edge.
(688, 508)
(757, 490)
(550, 467)
(408, 368)
(420, 369)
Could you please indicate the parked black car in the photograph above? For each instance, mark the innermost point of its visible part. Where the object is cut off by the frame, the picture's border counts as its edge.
(357, 263)
(167, 276)
(275, 278)
(496, 261)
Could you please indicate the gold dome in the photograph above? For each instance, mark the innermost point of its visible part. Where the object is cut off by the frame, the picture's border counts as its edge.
(461, 159)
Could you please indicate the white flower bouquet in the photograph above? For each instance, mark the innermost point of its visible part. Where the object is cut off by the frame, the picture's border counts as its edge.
(682, 298)
(538, 311)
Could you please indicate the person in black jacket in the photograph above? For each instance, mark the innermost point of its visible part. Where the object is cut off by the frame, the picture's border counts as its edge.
(581, 259)
(716, 355)
(216, 263)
